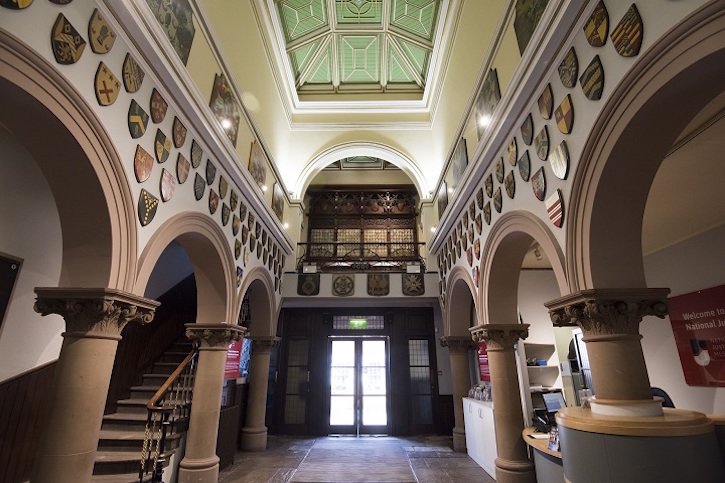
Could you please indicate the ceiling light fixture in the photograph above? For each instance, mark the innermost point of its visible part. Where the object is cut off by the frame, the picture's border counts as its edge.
(226, 123)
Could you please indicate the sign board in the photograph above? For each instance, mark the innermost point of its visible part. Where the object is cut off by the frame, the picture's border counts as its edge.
(698, 322)
(483, 368)
(234, 353)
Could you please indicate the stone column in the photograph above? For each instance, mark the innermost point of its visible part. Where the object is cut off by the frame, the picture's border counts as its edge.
(512, 464)
(200, 463)
(94, 320)
(460, 377)
(254, 433)
(609, 319)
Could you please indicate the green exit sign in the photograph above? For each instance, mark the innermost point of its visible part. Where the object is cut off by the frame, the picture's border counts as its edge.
(358, 323)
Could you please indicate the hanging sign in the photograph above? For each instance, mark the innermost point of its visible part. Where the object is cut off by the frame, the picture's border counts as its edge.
(483, 368)
(234, 354)
(698, 322)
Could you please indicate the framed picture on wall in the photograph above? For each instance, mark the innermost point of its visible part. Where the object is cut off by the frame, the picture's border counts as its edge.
(459, 161)
(278, 201)
(258, 164)
(225, 107)
(442, 198)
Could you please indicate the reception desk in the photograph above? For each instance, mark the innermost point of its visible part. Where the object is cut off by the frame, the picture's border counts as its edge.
(548, 462)
(480, 433)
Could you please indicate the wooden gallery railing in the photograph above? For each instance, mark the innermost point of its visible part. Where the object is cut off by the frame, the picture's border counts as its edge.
(170, 404)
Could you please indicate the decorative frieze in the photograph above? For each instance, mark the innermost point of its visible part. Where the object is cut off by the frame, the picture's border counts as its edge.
(264, 343)
(608, 311)
(94, 312)
(457, 345)
(214, 336)
(499, 337)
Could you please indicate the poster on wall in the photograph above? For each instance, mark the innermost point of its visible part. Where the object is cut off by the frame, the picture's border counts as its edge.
(483, 367)
(231, 367)
(698, 322)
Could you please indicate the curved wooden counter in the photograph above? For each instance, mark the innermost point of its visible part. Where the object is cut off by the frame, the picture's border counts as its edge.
(674, 422)
(539, 444)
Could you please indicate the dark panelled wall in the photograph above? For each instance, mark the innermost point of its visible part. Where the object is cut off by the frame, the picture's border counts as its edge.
(24, 403)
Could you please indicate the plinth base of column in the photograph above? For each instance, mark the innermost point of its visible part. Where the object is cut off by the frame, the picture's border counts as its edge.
(199, 470)
(627, 408)
(508, 471)
(254, 439)
(677, 446)
(459, 440)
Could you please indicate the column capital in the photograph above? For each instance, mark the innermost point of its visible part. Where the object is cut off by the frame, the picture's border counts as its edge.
(264, 343)
(94, 312)
(499, 337)
(214, 336)
(457, 344)
(606, 312)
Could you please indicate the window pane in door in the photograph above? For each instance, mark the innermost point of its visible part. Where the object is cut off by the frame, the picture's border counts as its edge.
(374, 411)
(343, 353)
(373, 381)
(342, 410)
(342, 381)
(373, 353)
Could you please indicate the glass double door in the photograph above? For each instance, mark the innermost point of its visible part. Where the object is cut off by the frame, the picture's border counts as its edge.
(358, 392)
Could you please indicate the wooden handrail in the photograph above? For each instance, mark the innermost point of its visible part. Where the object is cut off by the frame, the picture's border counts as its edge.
(152, 404)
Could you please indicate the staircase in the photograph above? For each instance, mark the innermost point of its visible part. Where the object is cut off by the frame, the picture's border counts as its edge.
(122, 433)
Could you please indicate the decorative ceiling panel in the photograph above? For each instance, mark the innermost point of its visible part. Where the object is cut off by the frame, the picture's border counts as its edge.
(359, 59)
(357, 12)
(415, 16)
(302, 17)
(366, 45)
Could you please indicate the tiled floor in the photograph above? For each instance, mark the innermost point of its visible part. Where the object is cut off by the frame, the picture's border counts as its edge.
(345, 459)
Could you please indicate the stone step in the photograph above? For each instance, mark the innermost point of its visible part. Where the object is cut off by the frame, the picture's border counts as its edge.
(127, 422)
(124, 440)
(144, 392)
(120, 462)
(125, 478)
(133, 405)
(164, 367)
(177, 357)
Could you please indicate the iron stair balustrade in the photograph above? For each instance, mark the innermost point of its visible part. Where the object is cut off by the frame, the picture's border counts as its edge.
(171, 403)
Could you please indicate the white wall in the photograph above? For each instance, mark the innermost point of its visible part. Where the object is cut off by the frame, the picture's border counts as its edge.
(30, 230)
(692, 265)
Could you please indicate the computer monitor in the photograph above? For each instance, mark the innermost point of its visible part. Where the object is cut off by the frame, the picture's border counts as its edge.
(554, 401)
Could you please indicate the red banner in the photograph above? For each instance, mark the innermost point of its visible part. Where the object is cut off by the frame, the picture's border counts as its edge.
(698, 322)
(234, 354)
(483, 369)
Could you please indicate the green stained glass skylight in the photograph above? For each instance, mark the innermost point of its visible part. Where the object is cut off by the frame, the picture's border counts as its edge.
(354, 12)
(359, 45)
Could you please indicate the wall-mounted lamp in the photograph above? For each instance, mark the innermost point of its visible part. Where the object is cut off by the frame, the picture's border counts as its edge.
(264, 187)
(537, 253)
(433, 229)
(285, 225)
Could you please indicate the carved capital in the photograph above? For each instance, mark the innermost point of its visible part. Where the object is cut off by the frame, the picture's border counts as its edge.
(214, 336)
(499, 337)
(607, 312)
(457, 345)
(100, 312)
(264, 344)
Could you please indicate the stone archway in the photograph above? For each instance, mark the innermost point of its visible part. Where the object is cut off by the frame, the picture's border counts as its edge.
(211, 259)
(80, 163)
(262, 331)
(651, 106)
(459, 316)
